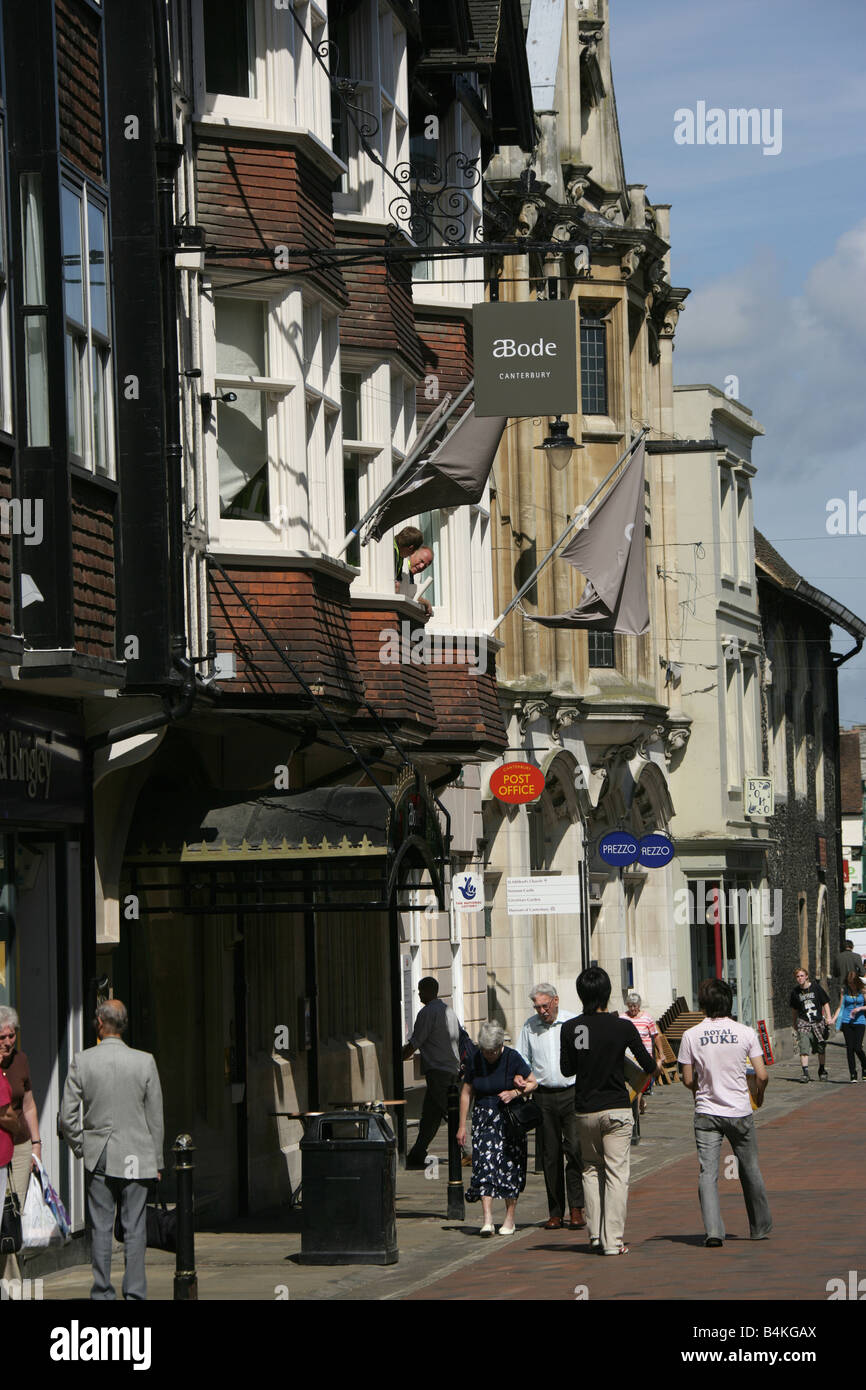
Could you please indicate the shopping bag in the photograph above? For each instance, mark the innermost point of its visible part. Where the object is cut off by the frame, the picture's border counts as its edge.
(38, 1227)
(53, 1202)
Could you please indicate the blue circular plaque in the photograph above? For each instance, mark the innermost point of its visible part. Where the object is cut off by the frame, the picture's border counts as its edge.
(654, 851)
(618, 847)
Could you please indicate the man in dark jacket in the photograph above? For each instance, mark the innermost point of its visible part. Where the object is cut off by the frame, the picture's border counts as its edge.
(592, 1050)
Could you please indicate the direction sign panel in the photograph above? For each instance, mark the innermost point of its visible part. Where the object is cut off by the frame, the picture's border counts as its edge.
(548, 893)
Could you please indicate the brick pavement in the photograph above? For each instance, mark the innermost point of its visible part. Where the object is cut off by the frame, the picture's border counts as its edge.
(813, 1167)
(257, 1258)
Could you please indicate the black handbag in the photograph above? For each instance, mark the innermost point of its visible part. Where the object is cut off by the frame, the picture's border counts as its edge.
(521, 1116)
(10, 1228)
(161, 1226)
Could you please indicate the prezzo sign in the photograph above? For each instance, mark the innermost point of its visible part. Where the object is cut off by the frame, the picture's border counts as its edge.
(655, 851)
(617, 847)
(525, 358)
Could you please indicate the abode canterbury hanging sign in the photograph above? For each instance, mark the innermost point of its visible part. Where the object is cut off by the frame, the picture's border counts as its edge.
(525, 358)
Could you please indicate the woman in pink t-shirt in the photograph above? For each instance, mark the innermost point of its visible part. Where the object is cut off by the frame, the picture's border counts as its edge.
(649, 1034)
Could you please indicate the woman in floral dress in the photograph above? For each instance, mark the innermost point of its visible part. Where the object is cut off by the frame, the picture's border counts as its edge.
(496, 1076)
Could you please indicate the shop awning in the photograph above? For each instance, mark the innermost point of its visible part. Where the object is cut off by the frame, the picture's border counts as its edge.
(331, 822)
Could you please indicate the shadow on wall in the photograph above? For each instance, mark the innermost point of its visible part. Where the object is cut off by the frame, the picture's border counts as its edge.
(495, 1011)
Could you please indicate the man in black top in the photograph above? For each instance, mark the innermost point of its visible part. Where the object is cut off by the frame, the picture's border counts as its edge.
(810, 1015)
(592, 1050)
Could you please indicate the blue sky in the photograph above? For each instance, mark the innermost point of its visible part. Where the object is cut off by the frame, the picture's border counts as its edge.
(773, 249)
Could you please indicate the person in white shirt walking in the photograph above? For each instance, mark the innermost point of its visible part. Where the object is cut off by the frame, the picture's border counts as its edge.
(715, 1057)
(435, 1036)
(539, 1044)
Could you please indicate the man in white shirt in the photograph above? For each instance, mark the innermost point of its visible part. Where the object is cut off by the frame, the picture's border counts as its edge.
(539, 1046)
(435, 1036)
(715, 1057)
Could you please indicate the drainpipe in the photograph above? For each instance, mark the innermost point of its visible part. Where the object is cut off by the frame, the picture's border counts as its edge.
(168, 155)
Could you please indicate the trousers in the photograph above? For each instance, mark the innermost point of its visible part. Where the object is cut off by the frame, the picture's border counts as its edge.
(710, 1131)
(853, 1033)
(103, 1196)
(605, 1148)
(433, 1112)
(560, 1137)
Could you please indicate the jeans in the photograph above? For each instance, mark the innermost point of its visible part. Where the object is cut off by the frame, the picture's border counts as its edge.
(605, 1148)
(710, 1130)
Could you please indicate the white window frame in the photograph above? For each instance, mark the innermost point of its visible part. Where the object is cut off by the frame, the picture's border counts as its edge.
(284, 422)
(292, 88)
(382, 91)
(90, 342)
(220, 104)
(450, 280)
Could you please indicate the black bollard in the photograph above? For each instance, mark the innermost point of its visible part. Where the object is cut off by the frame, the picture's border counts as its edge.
(456, 1206)
(185, 1277)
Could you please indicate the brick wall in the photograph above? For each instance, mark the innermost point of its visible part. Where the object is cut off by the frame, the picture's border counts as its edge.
(397, 690)
(380, 317)
(468, 714)
(79, 86)
(305, 611)
(446, 347)
(93, 570)
(262, 196)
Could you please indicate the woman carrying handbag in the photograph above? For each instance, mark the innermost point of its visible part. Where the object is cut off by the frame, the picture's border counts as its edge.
(498, 1077)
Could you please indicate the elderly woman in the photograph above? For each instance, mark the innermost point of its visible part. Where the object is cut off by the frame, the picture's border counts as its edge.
(15, 1068)
(496, 1076)
(649, 1035)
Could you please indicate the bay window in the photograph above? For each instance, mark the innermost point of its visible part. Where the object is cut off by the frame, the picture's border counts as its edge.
(89, 396)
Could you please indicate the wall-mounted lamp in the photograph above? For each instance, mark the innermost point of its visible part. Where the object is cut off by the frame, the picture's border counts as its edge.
(207, 399)
(559, 445)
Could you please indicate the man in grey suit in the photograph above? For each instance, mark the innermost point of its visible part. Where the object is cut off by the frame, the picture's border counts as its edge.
(120, 1142)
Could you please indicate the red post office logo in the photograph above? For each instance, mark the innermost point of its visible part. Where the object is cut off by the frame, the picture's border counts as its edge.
(517, 783)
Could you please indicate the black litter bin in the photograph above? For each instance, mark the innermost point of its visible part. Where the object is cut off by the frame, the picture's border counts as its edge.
(349, 1175)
